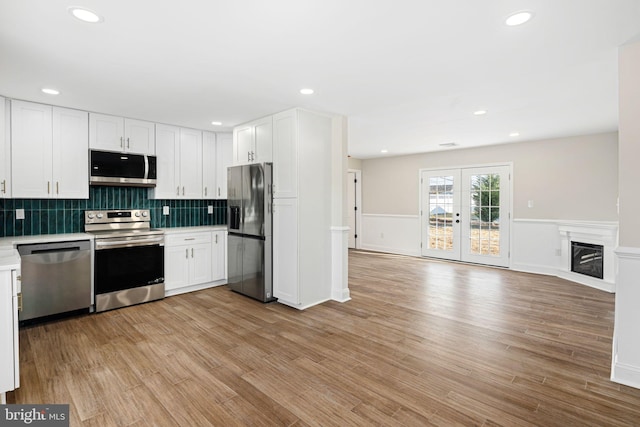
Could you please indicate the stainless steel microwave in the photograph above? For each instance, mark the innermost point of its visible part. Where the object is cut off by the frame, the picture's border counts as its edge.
(122, 169)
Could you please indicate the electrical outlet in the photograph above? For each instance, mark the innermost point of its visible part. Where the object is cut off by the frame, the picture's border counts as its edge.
(165, 210)
(210, 209)
(19, 213)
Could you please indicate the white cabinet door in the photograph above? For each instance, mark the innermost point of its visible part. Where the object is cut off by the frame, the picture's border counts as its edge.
(190, 164)
(200, 269)
(139, 137)
(9, 366)
(31, 147)
(242, 144)
(70, 154)
(252, 142)
(285, 155)
(176, 267)
(209, 164)
(5, 149)
(224, 159)
(263, 140)
(106, 132)
(168, 158)
(113, 133)
(285, 251)
(218, 256)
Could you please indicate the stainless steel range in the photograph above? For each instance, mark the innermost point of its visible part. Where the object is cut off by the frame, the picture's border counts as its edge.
(129, 258)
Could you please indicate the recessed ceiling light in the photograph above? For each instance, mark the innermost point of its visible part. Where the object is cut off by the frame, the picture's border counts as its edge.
(85, 15)
(50, 91)
(216, 123)
(384, 151)
(514, 134)
(306, 91)
(480, 112)
(518, 18)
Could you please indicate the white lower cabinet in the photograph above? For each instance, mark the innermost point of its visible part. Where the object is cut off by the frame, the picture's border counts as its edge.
(9, 368)
(194, 260)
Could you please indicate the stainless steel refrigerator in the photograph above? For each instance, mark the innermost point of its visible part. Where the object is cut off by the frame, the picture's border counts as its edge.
(249, 252)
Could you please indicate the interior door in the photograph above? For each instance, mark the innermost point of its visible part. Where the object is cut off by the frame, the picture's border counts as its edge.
(465, 214)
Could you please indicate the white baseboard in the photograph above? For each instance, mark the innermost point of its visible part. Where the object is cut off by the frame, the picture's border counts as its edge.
(193, 288)
(626, 374)
(534, 268)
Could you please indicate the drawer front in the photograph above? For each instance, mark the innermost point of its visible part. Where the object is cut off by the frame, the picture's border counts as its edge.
(188, 239)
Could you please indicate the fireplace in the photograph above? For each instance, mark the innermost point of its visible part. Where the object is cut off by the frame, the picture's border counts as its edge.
(587, 259)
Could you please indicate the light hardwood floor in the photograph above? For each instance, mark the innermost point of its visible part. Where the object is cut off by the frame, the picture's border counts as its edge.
(422, 342)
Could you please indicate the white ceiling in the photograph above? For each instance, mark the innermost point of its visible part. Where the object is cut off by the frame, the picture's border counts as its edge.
(408, 73)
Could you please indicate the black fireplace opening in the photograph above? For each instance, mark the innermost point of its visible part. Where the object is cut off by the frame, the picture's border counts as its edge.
(587, 259)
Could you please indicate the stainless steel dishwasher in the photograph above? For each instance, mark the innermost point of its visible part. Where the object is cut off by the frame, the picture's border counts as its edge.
(56, 278)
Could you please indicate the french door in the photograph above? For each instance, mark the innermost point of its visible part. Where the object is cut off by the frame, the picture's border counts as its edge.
(465, 214)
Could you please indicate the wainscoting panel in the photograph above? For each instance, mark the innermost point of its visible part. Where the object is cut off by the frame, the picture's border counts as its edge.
(535, 246)
(398, 234)
(625, 367)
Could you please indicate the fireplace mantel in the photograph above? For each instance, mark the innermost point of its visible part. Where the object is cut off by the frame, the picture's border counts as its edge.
(605, 234)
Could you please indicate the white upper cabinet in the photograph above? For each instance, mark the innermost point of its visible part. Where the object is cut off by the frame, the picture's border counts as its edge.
(5, 149)
(191, 163)
(209, 172)
(217, 156)
(49, 152)
(179, 153)
(70, 153)
(252, 142)
(224, 159)
(113, 133)
(285, 154)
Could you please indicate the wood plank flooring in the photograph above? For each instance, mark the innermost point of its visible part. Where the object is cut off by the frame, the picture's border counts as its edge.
(422, 342)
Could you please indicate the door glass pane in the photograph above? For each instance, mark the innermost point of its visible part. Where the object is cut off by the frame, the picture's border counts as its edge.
(440, 208)
(484, 212)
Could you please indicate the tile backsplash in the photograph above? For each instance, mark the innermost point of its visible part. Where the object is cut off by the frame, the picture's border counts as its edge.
(56, 216)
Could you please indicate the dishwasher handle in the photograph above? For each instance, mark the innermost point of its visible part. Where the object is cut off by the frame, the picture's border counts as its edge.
(49, 251)
(43, 248)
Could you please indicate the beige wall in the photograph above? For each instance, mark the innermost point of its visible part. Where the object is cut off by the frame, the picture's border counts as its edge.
(629, 125)
(355, 164)
(573, 178)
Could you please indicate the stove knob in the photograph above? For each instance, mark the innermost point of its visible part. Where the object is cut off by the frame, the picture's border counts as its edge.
(99, 216)
(91, 216)
(138, 213)
(145, 213)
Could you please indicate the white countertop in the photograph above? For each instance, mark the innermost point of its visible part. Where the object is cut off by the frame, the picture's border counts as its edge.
(12, 241)
(9, 259)
(173, 230)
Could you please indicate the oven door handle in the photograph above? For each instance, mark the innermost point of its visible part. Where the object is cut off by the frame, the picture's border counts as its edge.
(129, 243)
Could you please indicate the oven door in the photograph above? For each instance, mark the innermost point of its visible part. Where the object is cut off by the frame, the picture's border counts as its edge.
(126, 263)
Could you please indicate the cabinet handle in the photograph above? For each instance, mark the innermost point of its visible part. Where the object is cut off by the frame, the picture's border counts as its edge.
(191, 252)
(4, 185)
(205, 191)
(216, 238)
(122, 142)
(189, 238)
(183, 190)
(218, 191)
(48, 187)
(57, 187)
(178, 190)
(186, 253)
(128, 145)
